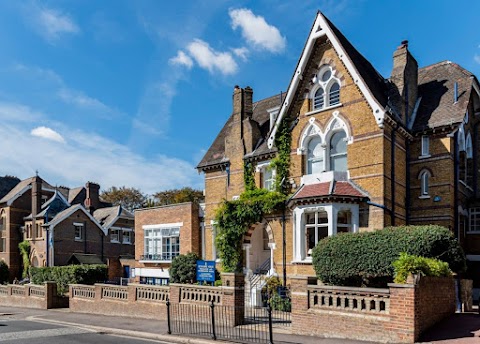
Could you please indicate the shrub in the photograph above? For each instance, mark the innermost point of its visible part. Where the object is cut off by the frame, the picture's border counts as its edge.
(410, 264)
(365, 259)
(184, 268)
(70, 274)
(3, 272)
(24, 248)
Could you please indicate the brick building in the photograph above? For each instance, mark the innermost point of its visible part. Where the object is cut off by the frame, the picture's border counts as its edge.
(366, 152)
(64, 226)
(162, 233)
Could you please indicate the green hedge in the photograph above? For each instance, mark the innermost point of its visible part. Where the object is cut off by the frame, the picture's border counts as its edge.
(70, 274)
(365, 259)
(409, 264)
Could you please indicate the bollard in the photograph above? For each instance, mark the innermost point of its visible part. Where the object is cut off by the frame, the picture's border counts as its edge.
(270, 329)
(168, 317)
(212, 307)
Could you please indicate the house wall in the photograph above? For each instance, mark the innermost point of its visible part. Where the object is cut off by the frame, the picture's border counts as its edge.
(190, 241)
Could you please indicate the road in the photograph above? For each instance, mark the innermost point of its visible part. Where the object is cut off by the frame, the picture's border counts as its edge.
(18, 331)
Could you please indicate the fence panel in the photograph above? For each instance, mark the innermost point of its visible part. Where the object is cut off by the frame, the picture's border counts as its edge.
(197, 320)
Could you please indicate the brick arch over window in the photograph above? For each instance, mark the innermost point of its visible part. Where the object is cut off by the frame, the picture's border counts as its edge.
(336, 123)
(262, 225)
(312, 129)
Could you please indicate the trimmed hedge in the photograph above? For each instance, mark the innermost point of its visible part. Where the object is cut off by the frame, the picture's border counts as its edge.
(365, 259)
(409, 264)
(69, 274)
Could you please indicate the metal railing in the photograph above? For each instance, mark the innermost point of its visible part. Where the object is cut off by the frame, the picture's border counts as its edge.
(159, 257)
(221, 322)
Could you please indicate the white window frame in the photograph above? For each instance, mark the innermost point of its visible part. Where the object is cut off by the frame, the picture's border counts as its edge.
(81, 227)
(300, 252)
(115, 238)
(424, 184)
(262, 168)
(326, 87)
(320, 158)
(155, 237)
(425, 147)
(328, 153)
(474, 221)
(127, 235)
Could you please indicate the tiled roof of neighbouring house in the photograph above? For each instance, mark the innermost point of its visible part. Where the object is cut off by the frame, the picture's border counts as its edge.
(329, 189)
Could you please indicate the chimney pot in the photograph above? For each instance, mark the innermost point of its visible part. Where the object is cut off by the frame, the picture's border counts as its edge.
(404, 43)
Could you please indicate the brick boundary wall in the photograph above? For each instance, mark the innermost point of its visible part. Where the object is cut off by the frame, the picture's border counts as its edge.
(32, 296)
(149, 302)
(399, 314)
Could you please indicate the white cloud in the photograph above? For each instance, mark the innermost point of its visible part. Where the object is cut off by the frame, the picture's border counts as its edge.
(12, 112)
(88, 156)
(242, 53)
(50, 23)
(181, 59)
(257, 31)
(477, 58)
(48, 134)
(207, 58)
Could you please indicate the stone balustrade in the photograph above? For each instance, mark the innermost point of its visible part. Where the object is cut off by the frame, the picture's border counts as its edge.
(364, 300)
(114, 292)
(32, 296)
(201, 294)
(82, 291)
(152, 293)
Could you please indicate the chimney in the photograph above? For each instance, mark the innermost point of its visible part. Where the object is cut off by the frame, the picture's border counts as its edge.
(405, 80)
(36, 197)
(251, 129)
(248, 102)
(92, 199)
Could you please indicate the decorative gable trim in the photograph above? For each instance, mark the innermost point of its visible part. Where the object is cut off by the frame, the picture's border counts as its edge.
(320, 29)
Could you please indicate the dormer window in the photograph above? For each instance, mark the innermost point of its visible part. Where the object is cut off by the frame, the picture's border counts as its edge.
(326, 90)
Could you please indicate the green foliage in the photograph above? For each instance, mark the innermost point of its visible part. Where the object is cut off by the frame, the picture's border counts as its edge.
(3, 272)
(24, 248)
(128, 198)
(218, 283)
(174, 196)
(410, 264)
(184, 268)
(70, 274)
(281, 162)
(235, 217)
(356, 259)
(271, 285)
(249, 176)
(280, 304)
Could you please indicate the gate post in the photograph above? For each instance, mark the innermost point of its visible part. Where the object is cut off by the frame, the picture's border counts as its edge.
(233, 288)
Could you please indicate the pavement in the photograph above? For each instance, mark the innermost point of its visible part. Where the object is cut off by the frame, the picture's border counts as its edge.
(461, 328)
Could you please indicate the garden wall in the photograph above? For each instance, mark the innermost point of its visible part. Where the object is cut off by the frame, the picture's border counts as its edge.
(32, 296)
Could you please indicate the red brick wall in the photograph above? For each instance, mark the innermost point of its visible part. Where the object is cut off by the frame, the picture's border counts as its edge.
(413, 309)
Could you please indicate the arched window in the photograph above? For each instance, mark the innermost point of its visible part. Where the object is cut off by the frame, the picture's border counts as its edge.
(334, 94)
(468, 146)
(424, 183)
(326, 89)
(315, 156)
(319, 100)
(338, 152)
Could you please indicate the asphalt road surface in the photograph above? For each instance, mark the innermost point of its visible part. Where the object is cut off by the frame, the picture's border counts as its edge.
(19, 331)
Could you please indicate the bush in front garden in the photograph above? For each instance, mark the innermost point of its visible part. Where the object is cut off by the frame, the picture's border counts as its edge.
(409, 264)
(3, 272)
(69, 274)
(184, 268)
(365, 259)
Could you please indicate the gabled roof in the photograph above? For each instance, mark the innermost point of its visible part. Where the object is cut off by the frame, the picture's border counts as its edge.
(77, 195)
(52, 207)
(331, 189)
(369, 81)
(436, 88)
(61, 216)
(216, 153)
(108, 216)
(21, 188)
(83, 258)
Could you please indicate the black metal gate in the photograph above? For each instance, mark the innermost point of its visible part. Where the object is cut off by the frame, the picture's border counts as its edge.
(221, 322)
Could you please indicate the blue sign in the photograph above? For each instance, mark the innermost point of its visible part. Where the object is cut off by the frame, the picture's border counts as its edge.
(205, 270)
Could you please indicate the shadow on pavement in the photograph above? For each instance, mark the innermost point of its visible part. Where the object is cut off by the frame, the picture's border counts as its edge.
(459, 325)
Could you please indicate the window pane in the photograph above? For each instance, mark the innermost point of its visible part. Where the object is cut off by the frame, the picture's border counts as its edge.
(315, 156)
(326, 75)
(338, 163)
(334, 95)
(322, 233)
(319, 101)
(310, 238)
(310, 220)
(338, 144)
(322, 217)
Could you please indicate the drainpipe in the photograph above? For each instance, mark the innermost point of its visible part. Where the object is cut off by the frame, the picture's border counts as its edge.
(456, 160)
(407, 182)
(392, 176)
(85, 237)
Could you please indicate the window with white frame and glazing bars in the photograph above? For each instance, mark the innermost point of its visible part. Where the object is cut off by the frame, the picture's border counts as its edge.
(161, 244)
(326, 89)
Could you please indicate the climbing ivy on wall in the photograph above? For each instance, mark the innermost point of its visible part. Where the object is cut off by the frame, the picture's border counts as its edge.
(24, 248)
(234, 218)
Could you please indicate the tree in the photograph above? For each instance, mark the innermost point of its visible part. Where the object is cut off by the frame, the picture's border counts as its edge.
(173, 196)
(128, 198)
(184, 268)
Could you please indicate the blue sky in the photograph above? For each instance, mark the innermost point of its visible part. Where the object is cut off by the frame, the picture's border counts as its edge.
(133, 92)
